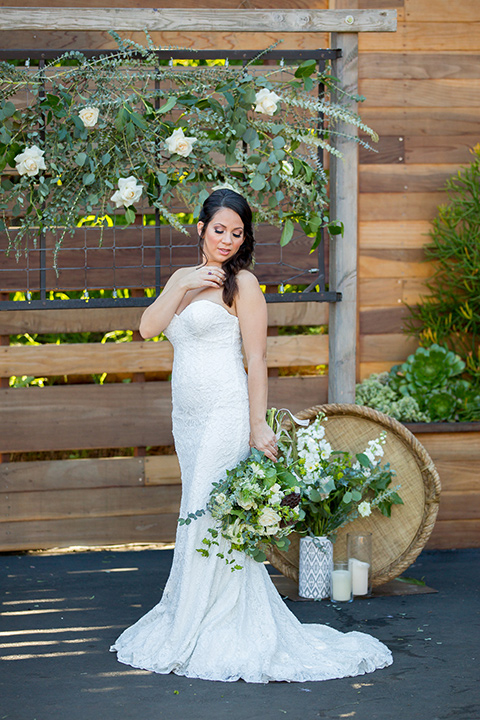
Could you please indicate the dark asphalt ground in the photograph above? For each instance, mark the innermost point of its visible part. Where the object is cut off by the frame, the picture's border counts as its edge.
(61, 612)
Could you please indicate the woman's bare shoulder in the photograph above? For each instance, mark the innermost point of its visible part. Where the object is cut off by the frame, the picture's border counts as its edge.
(250, 296)
(178, 274)
(247, 281)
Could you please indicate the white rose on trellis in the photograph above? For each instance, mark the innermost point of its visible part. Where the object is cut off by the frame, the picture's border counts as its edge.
(30, 161)
(179, 143)
(128, 192)
(267, 101)
(89, 116)
(287, 168)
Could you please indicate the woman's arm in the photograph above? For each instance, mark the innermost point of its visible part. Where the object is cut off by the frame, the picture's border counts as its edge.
(252, 313)
(158, 315)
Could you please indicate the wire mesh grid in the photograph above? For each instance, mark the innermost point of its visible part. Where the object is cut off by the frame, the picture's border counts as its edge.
(145, 254)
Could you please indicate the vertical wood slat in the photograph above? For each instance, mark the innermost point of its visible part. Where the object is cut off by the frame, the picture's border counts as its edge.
(4, 381)
(343, 250)
(139, 450)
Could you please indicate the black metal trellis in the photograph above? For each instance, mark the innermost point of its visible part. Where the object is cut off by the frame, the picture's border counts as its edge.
(317, 274)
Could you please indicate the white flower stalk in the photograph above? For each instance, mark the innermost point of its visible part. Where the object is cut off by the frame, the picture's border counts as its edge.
(30, 161)
(89, 116)
(266, 101)
(128, 192)
(179, 143)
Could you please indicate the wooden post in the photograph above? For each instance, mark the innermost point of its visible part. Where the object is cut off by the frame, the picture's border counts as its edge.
(4, 381)
(342, 330)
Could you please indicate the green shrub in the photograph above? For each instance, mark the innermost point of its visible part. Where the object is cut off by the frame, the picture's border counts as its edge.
(450, 314)
(425, 388)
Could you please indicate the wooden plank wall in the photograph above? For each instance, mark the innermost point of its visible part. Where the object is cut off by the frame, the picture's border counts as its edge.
(423, 91)
(422, 86)
(60, 503)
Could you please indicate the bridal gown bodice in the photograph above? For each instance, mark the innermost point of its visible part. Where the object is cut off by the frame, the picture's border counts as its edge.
(213, 623)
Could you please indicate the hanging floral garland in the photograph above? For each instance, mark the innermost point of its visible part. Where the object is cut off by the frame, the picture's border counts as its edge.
(109, 132)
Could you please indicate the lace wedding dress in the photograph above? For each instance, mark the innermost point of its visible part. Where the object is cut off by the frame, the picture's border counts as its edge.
(213, 623)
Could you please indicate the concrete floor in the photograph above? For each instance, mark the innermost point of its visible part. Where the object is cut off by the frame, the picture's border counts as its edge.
(61, 612)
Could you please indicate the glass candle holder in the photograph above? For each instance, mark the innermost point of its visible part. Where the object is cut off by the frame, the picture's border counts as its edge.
(359, 551)
(341, 583)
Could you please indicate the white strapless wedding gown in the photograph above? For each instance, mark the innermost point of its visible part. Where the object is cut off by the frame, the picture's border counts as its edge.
(213, 623)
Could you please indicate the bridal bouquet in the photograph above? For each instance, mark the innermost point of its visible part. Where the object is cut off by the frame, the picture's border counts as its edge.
(256, 504)
(337, 487)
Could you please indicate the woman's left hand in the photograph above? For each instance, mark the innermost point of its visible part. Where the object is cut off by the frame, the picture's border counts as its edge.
(264, 439)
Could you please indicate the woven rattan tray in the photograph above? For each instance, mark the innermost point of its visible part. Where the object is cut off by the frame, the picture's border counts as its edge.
(397, 540)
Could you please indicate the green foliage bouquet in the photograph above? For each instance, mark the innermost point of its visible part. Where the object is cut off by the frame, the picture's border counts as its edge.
(254, 506)
(337, 487)
(106, 133)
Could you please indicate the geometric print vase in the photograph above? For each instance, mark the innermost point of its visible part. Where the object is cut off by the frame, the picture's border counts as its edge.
(315, 570)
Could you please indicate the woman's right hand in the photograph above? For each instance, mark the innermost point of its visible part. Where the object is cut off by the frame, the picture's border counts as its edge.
(204, 276)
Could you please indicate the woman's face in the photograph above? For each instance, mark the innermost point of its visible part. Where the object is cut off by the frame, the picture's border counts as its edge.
(223, 236)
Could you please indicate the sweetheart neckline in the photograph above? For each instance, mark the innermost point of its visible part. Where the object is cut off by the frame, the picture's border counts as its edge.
(194, 302)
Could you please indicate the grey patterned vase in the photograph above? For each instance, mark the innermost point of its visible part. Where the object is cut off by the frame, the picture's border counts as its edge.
(316, 565)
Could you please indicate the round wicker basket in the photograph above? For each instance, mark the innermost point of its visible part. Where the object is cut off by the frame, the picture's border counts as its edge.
(397, 540)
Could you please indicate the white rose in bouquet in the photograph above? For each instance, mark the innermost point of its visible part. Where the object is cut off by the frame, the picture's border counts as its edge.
(268, 517)
(180, 143)
(128, 192)
(89, 116)
(267, 101)
(245, 503)
(30, 161)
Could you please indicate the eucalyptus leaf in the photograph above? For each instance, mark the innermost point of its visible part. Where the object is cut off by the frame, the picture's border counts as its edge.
(88, 178)
(257, 182)
(81, 159)
(8, 109)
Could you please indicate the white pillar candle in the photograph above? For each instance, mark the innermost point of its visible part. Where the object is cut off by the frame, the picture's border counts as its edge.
(341, 585)
(359, 572)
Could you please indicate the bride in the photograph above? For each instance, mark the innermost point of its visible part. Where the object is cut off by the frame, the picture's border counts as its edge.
(213, 623)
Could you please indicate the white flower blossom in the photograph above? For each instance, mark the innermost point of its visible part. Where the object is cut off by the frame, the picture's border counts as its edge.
(128, 192)
(266, 101)
(89, 116)
(180, 143)
(365, 509)
(258, 471)
(287, 168)
(220, 498)
(268, 517)
(272, 529)
(30, 161)
(246, 503)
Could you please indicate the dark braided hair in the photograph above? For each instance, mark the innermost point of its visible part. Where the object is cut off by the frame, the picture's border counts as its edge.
(225, 198)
